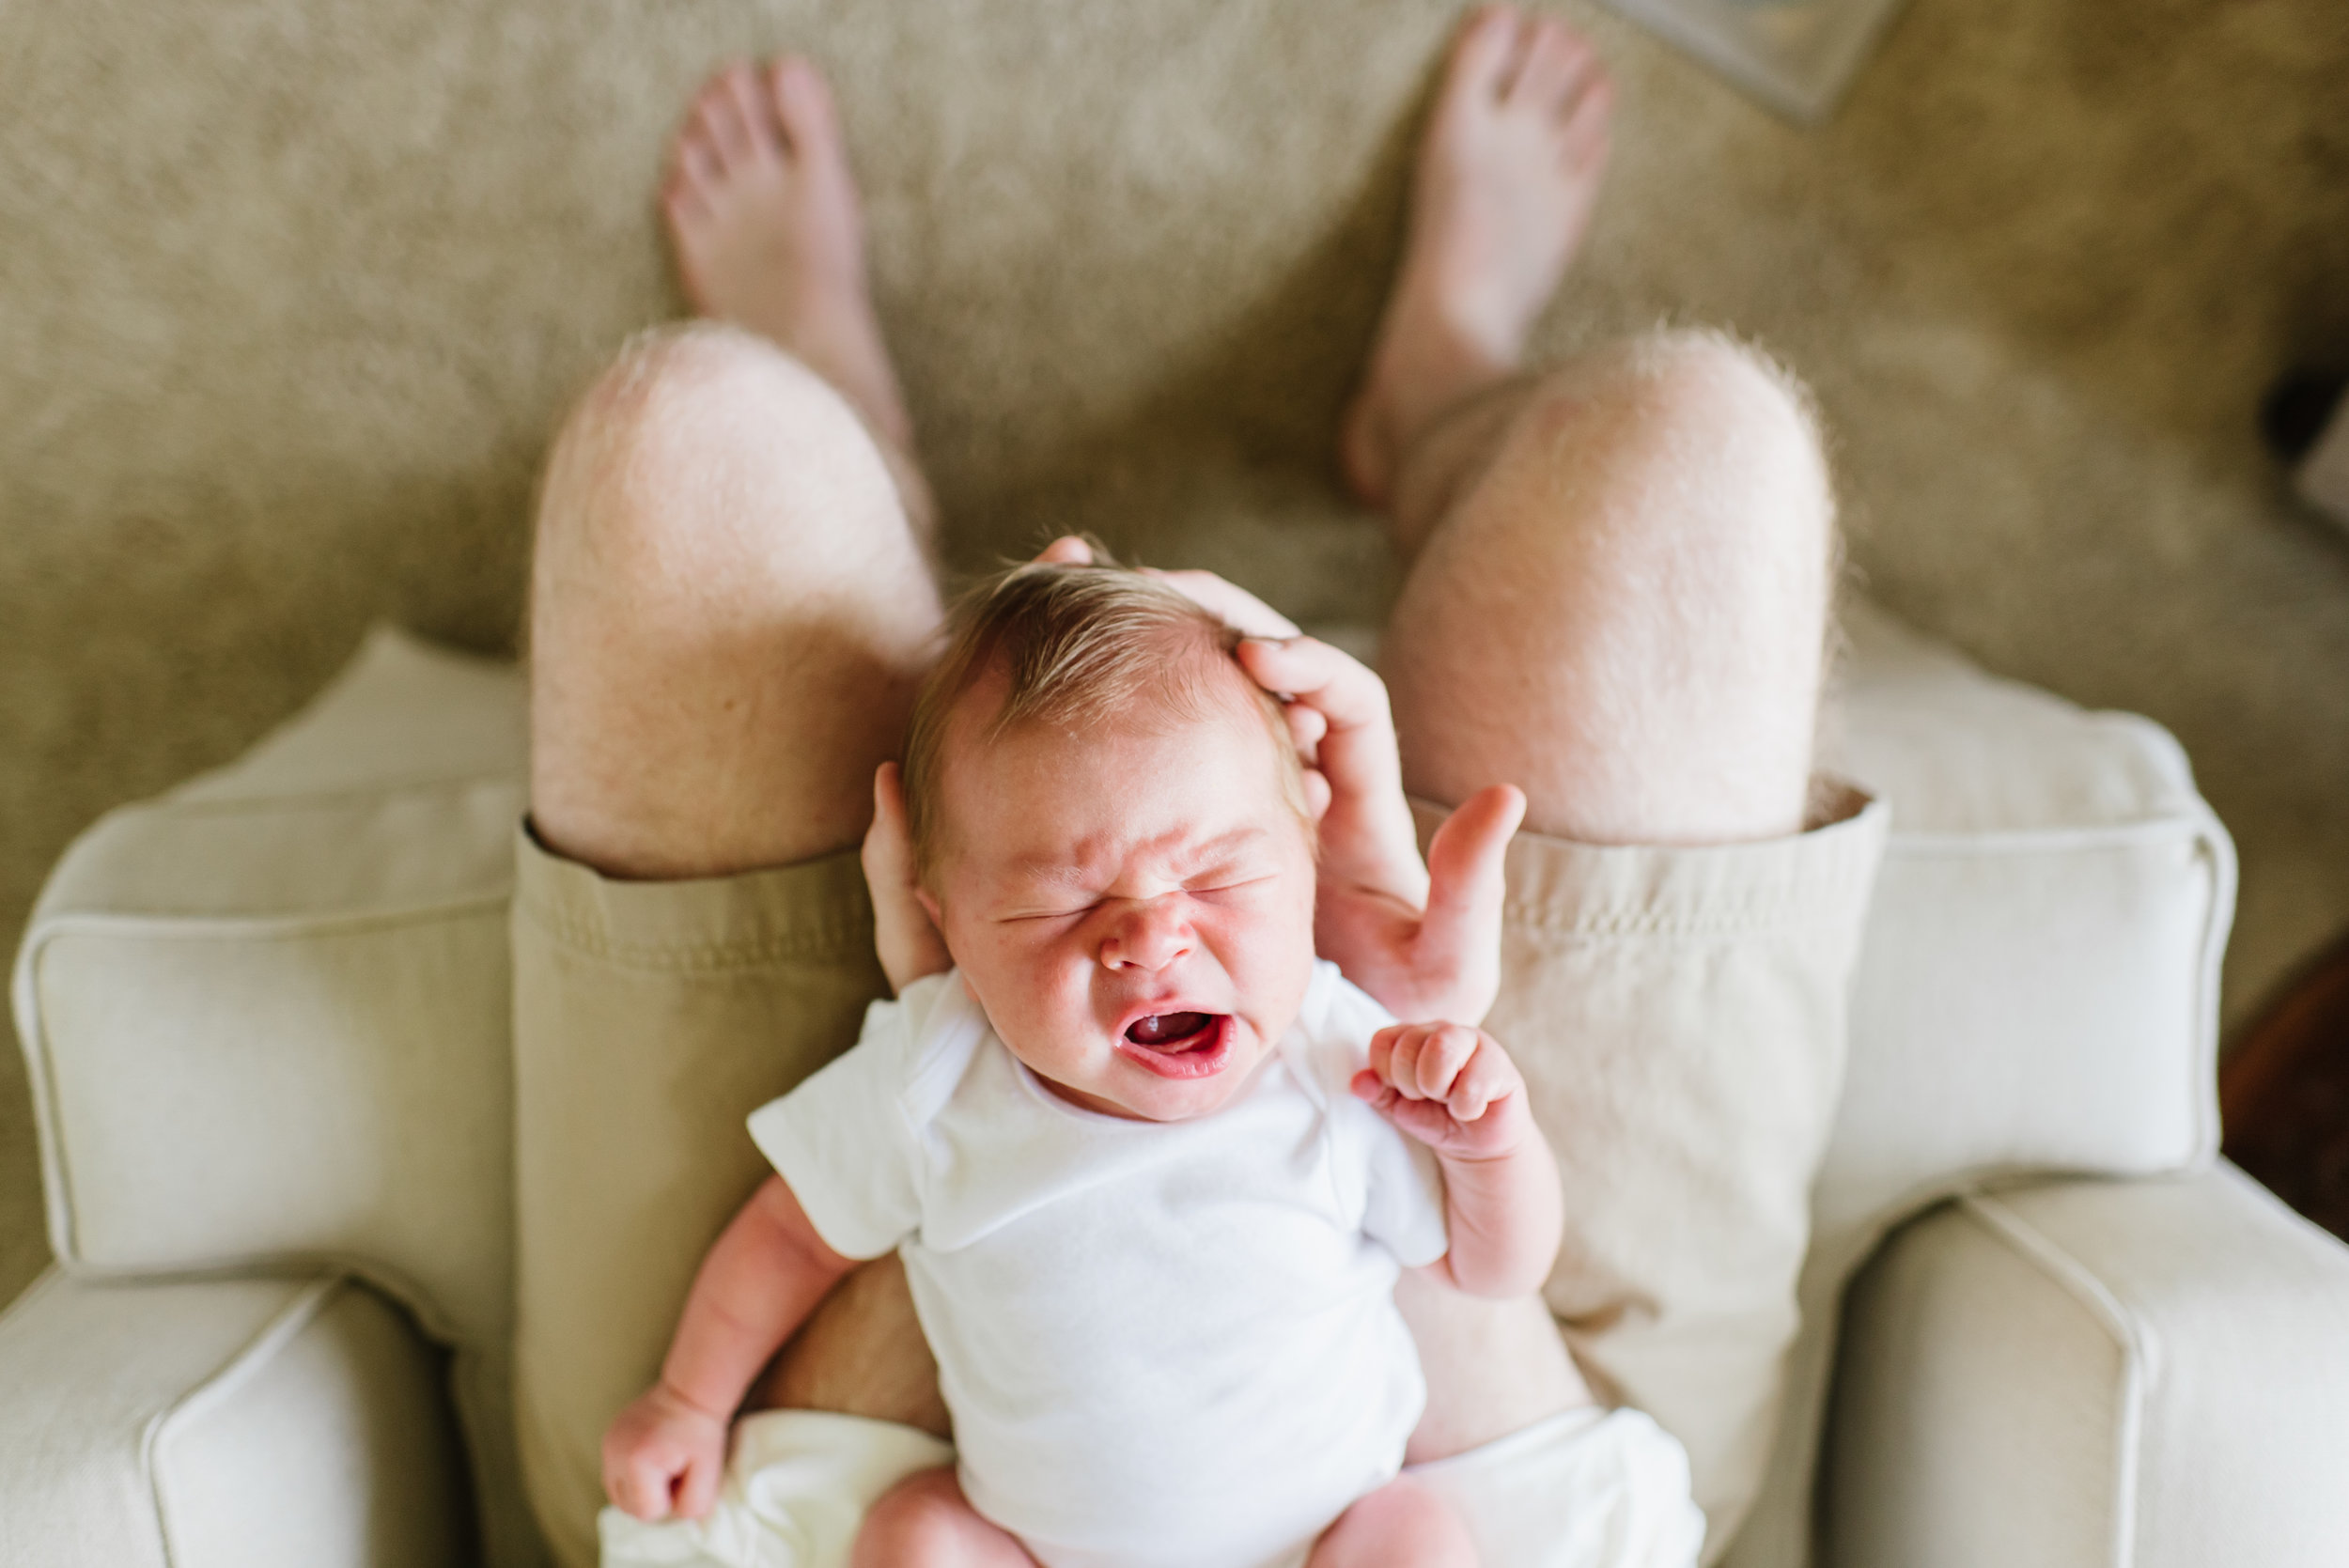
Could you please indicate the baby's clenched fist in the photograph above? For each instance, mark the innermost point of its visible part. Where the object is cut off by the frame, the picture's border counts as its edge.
(664, 1456)
(1448, 1085)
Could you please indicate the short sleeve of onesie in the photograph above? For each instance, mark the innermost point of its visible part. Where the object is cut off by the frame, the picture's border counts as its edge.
(841, 1141)
(1403, 1208)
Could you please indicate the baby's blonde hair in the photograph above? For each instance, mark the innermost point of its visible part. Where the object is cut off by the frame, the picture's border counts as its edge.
(1079, 646)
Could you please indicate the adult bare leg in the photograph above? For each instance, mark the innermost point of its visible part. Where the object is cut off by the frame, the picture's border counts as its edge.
(1620, 571)
(731, 599)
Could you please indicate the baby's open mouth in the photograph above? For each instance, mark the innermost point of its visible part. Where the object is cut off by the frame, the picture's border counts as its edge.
(1174, 1033)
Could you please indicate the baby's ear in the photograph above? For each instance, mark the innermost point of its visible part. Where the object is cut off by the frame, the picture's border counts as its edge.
(928, 901)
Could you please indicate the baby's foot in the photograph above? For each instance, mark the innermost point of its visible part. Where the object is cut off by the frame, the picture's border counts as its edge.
(763, 212)
(1506, 179)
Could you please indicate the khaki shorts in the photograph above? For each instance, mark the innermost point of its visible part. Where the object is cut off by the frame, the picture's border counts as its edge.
(1678, 1013)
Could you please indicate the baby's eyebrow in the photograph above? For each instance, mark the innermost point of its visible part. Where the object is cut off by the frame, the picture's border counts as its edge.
(1221, 846)
(1070, 871)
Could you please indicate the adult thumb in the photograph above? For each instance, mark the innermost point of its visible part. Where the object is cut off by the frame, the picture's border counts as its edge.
(1460, 933)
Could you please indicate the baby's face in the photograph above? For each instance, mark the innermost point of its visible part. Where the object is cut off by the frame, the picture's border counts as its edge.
(1133, 909)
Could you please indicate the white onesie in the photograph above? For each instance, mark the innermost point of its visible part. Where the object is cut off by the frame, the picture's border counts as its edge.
(1164, 1344)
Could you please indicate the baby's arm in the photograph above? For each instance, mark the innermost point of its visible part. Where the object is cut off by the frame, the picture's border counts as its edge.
(766, 1272)
(1456, 1090)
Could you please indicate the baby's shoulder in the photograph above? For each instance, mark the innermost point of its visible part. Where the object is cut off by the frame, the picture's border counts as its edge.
(1331, 1039)
(925, 1038)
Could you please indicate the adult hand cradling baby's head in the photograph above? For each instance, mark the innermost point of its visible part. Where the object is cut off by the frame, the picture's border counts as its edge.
(1421, 937)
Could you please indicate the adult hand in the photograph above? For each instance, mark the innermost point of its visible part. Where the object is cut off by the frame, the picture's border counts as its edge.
(1424, 937)
(909, 944)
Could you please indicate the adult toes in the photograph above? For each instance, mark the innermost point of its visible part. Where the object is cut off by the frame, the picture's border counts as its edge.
(697, 165)
(1579, 66)
(1488, 51)
(683, 201)
(1549, 60)
(1589, 117)
(802, 100)
(719, 120)
(753, 111)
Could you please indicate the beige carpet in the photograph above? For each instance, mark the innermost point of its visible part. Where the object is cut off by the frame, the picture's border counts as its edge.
(291, 291)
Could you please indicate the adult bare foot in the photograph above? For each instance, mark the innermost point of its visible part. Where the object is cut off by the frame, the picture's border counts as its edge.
(763, 212)
(1507, 175)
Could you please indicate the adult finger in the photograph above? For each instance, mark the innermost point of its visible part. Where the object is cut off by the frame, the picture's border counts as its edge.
(1306, 728)
(888, 851)
(1350, 698)
(1067, 550)
(908, 945)
(1316, 794)
(1467, 887)
(1372, 841)
(1230, 603)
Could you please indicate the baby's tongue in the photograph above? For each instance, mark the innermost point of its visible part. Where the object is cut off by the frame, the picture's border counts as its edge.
(1164, 1029)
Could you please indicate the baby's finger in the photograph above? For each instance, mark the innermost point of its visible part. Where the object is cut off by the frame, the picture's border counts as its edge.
(1424, 1120)
(1396, 1057)
(700, 1489)
(1490, 1077)
(1447, 1050)
(643, 1489)
(1425, 1073)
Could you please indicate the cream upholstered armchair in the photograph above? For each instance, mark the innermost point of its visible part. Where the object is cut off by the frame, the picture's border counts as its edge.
(266, 1021)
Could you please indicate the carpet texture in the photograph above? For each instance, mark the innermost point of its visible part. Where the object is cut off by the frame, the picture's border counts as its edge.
(292, 292)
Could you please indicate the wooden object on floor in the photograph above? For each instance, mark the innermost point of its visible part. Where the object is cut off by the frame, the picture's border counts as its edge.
(2285, 1095)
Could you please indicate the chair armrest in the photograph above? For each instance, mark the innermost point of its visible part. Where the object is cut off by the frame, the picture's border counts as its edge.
(250, 1421)
(2151, 1373)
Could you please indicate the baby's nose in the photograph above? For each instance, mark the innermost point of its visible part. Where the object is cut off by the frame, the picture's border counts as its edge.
(1149, 936)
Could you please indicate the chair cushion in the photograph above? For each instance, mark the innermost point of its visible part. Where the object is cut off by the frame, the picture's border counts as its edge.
(211, 1423)
(289, 979)
(2039, 987)
(265, 1019)
(2151, 1373)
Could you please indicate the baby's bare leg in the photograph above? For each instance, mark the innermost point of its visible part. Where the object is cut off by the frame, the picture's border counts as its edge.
(925, 1522)
(1403, 1524)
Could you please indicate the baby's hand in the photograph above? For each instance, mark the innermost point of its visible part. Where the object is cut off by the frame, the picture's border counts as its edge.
(1448, 1085)
(664, 1455)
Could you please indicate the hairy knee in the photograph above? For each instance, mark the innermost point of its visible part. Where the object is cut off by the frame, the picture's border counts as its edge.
(1714, 428)
(703, 440)
(693, 384)
(1688, 379)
